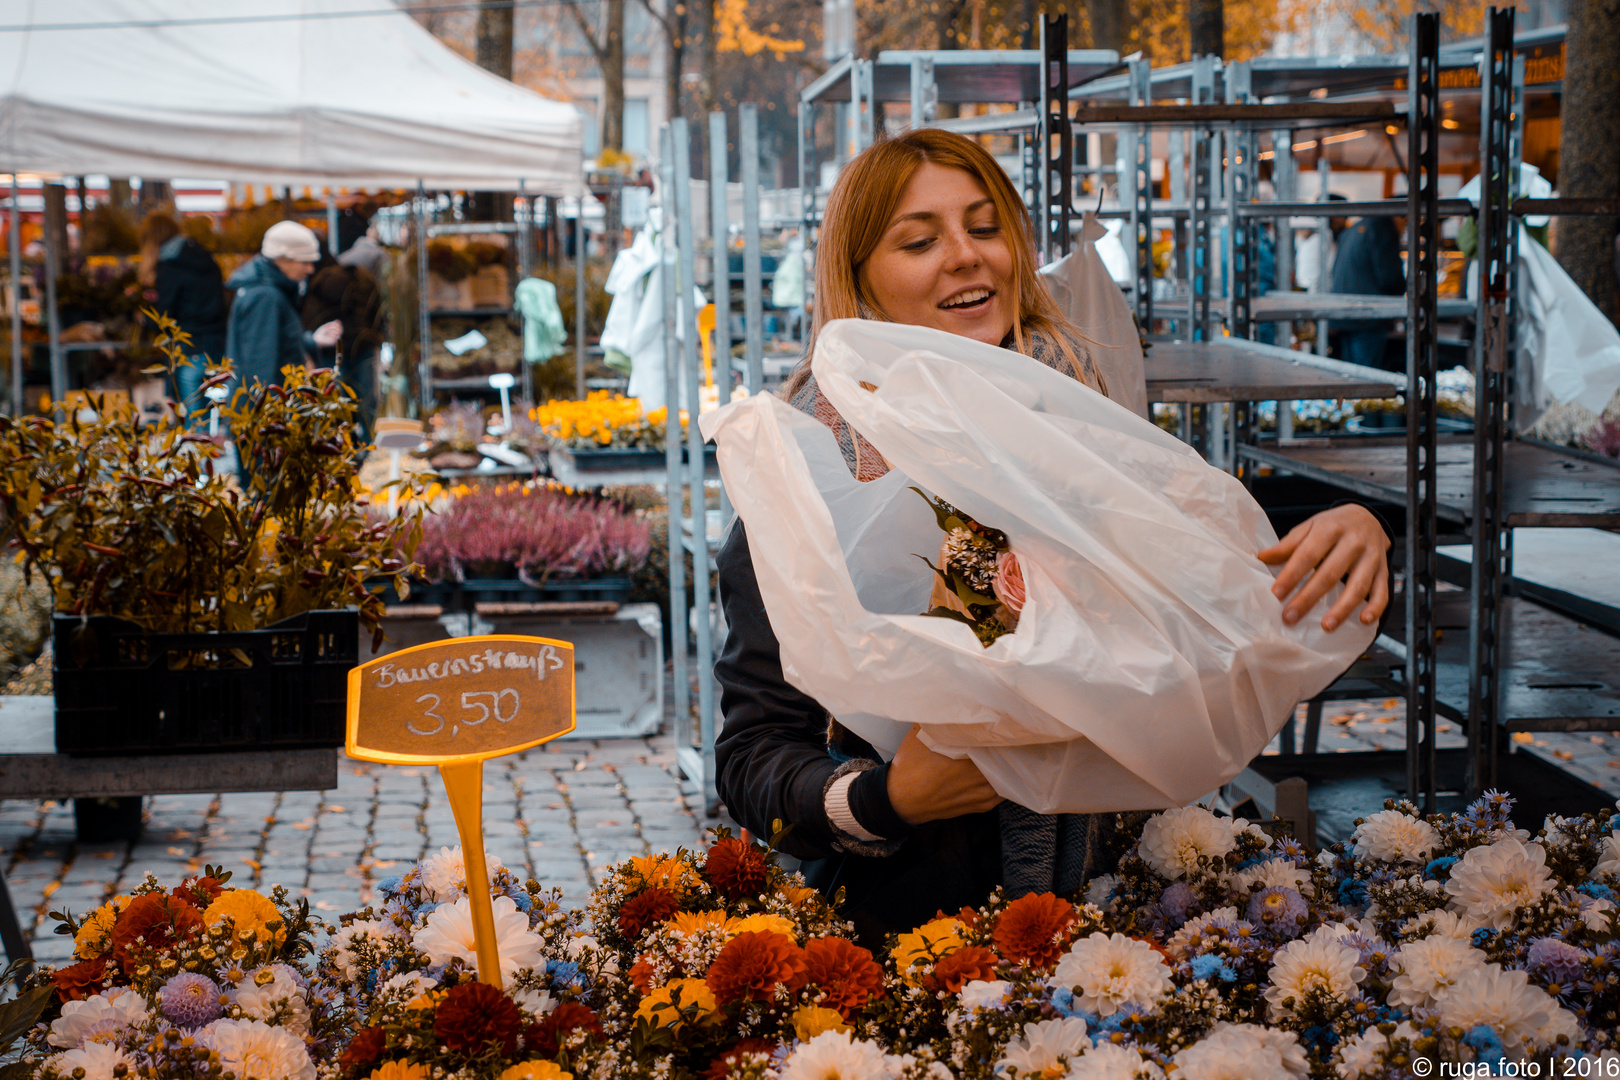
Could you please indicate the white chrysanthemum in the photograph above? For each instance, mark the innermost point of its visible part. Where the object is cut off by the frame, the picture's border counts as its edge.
(984, 994)
(270, 994)
(1563, 1023)
(1608, 856)
(1046, 1045)
(1597, 912)
(834, 1055)
(1440, 923)
(1391, 836)
(1243, 1052)
(1180, 942)
(1108, 972)
(1429, 967)
(536, 1003)
(444, 876)
(344, 941)
(98, 1060)
(407, 985)
(1491, 883)
(1358, 1057)
(1318, 962)
(1108, 1061)
(93, 1018)
(1173, 842)
(448, 935)
(1100, 891)
(1505, 1001)
(1272, 873)
(254, 1050)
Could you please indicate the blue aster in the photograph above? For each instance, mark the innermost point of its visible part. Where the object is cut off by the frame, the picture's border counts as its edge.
(1595, 890)
(1439, 866)
(1353, 892)
(1486, 1044)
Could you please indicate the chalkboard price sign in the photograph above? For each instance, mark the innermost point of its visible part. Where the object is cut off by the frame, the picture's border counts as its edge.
(466, 699)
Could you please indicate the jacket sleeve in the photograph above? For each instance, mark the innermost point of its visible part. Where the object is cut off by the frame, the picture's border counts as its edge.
(771, 755)
(256, 334)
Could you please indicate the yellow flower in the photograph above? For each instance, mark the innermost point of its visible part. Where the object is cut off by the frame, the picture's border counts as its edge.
(926, 944)
(665, 1006)
(798, 895)
(665, 871)
(776, 924)
(402, 1070)
(692, 922)
(811, 1020)
(245, 909)
(538, 1069)
(95, 933)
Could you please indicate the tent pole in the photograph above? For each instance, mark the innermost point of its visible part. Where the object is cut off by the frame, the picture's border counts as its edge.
(579, 297)
(332, 224)
(524, 223)
(15, 246)
(55, 222)
(424, 325)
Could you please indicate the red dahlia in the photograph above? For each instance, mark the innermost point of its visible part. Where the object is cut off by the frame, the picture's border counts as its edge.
(475, 1015)
(158, 920)
(80, 980)
(646, 909)
(200, 891)
(722, 1065)
(736, 868)
(964, 966)
(1034, 929)
(845, 972)
(363, 1051)
(545, 1037)
(753, 964)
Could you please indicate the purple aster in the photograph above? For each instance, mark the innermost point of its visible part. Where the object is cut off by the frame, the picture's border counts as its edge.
(190, 1000)
(1279, 909)
(1177, 901)
(1559, 961)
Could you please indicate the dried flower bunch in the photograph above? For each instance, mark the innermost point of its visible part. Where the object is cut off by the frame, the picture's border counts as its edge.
(458, 426)
(137, 522)
(983, 585)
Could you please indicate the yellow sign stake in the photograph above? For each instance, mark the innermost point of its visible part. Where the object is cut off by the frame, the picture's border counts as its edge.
(464, 783)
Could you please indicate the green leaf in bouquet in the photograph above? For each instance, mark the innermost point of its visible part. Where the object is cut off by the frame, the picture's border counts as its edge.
(947, 520)
(951, 613)
(969, 597)
(19, 1014)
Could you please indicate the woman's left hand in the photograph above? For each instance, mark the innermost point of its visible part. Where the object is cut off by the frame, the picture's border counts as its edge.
(1346, 544)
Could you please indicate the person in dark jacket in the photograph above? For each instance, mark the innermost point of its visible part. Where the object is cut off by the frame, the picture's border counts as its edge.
(925, 229)
(1367, 263)
(264, 333)
(351, 296)
(190, 290)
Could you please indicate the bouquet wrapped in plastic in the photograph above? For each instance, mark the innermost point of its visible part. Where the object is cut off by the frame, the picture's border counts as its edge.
(1150, 661)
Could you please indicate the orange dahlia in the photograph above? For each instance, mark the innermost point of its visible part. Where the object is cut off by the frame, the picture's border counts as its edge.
(846, 973)
(646, 909)
(753, 964)
(547, 1034)
(475, 1016)
(363, 1051)
(735, 868)
(722, 1065)
(1034, 929)
(963, 966)
(155, 921)
(80, 980)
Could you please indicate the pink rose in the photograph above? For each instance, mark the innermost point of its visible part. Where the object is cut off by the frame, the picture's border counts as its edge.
(1009, 583)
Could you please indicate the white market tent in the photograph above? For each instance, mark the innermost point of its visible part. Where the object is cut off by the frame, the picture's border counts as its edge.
(350, 93)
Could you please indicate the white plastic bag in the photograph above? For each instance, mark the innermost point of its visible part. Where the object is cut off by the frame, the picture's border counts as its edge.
(1150, 663)
(1087, 293)
(1568, 347)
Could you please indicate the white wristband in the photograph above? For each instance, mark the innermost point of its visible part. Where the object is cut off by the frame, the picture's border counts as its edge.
(838, 811)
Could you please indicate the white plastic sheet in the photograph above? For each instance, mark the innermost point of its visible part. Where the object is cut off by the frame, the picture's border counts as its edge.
(1087, 293)
(1150, 663)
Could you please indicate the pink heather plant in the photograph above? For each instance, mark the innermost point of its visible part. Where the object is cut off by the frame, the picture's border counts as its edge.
(542, 532)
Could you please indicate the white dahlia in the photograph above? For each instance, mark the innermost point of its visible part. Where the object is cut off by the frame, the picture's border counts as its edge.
(1440, 923)
(1429, 967)
(271, 994)
(984, 994)
(444, 876)
(1046, 1047)
(1608, 856)
(448, 935)
(1319, 962)
(254, 1050)
(98, 1060)
(371, 932)
(1358, 1057)
(1491, 883)
(92, 1018)
(1279, 872)
(1243, 1052)
(1505, 1001)
(536, 1003)
(835, 1055)
(407, 986)
(1109, 972)
(1180, 942)
(1100, 891)
(1563, 1023)
(1108, 1061)
(1391, 836)
(1598, 913)
(1173, 842)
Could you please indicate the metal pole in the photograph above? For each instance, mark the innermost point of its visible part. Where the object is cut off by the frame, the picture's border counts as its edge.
(53, 267)
(424, 325)
(580, 242)
(15, 245)
(753, 308)
(681, 689)
(1324, 250)
(523, 222)
(331, 223)
(719, 228)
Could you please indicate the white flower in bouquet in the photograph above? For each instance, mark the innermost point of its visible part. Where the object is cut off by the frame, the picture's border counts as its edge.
(406, 986)
(536, 1003)
(1597, 912)
(1319, 962)
(94, 1017)
(1107, 1061)
(1045, 1047)
(1174, 841)
(1505, 1001)
(1563, 1023)
(1429, 967)
(1180, 943)
(1243, 1052)
(1491, 883)
(254, 1050)
(1108, 972)
(1358, 1057)
(97, 1059)
(343, 944)
(444, 876)
(1278, 872)
(1100, 891)
(1608, 856)
(448, 935)
(1391, 836)
(1440, 923)
(835, 1055)
(271, 994)
(984, 994)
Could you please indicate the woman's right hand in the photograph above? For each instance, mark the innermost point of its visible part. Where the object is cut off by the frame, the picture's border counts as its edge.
(926, 786)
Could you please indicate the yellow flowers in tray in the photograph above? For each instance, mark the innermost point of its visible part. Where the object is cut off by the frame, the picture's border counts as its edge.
(605, 420)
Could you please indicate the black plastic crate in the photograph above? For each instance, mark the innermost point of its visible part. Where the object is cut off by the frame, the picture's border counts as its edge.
(121, 690)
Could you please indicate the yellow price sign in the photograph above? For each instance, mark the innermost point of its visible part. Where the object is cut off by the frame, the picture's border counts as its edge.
(455, 704)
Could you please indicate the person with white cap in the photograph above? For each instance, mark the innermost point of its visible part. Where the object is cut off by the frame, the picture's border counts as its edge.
(264, 333)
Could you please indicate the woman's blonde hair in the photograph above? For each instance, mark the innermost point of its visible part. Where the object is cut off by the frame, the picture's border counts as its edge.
(862, 204)
(157, 229)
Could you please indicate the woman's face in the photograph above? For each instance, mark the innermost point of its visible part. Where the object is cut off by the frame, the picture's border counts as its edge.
(944, 261)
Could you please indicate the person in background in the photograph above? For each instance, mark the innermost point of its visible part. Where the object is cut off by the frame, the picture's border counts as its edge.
(349, 295)
(264, 333)
(190, 290)
(1367, 263)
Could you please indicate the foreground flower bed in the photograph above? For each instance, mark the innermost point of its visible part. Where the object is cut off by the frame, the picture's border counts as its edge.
(1216, 950)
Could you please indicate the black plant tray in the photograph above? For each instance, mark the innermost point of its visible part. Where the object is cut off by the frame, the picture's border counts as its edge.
(460, 596)
(586, 461)
(121, 690)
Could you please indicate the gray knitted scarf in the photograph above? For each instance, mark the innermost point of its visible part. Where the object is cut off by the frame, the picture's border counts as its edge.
(1039, 852)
